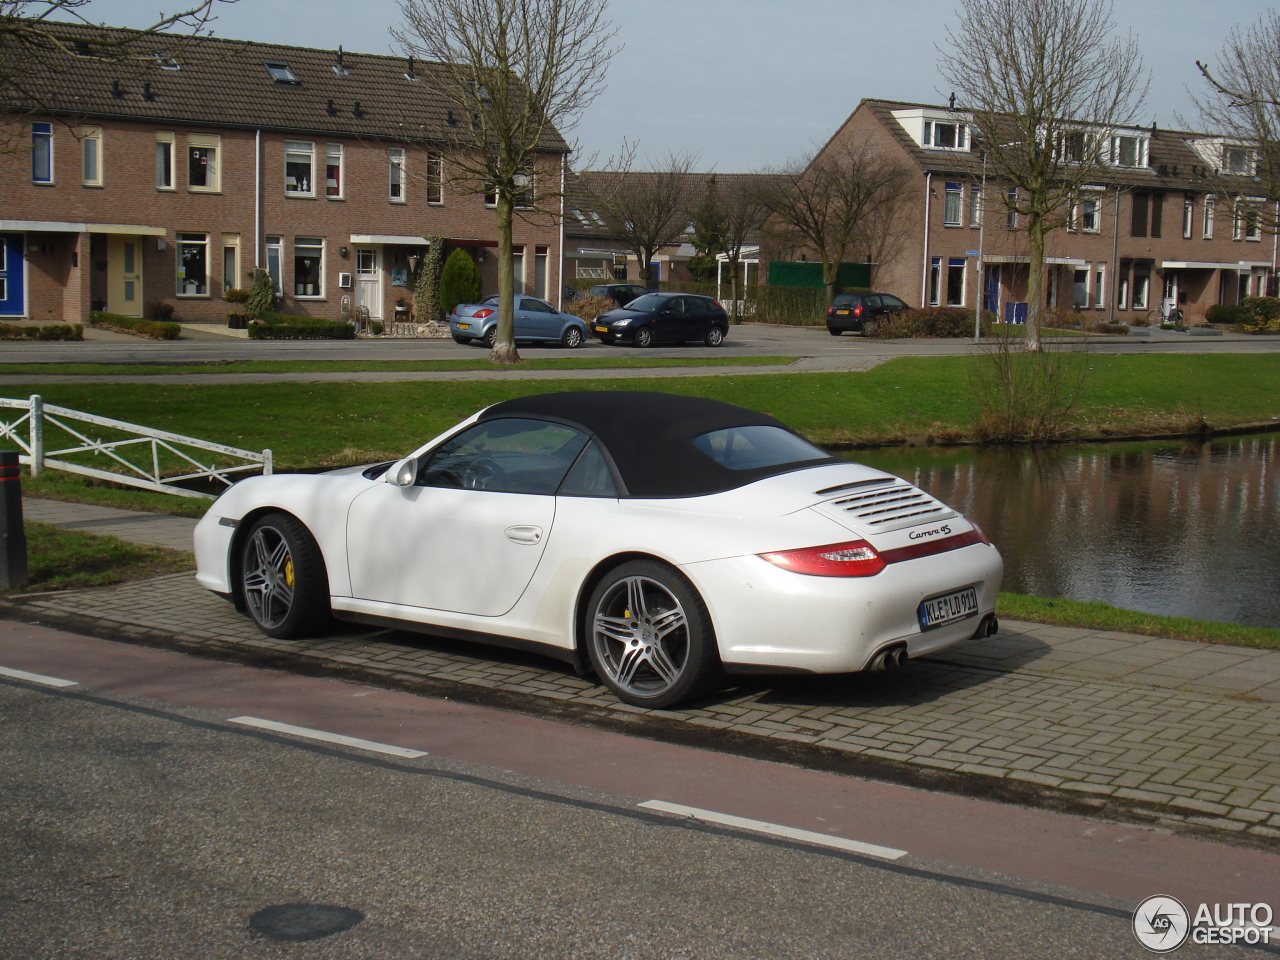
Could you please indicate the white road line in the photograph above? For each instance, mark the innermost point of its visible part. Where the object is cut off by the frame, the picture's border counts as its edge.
(327, 737)
(777, 830)
(37, 678)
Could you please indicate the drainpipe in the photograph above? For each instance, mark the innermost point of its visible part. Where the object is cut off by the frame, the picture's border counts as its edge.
(1115, 264)
(564, 166)
(257, 200)
(924, 279)
(1275, 248)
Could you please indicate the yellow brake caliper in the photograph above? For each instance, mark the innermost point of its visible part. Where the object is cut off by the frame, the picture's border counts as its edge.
(288, 572)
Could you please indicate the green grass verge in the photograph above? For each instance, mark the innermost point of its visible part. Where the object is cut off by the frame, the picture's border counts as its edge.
(378, 366)
(1102, 616)
(64, 559)
(54, 485)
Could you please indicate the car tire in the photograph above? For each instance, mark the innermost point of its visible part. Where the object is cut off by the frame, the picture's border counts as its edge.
(657, 656)
(458, 338)
(714, 337)
(572, 338)
(491, 337)
(868, 328)
(282, 580)
(643, 337)
(834, 331)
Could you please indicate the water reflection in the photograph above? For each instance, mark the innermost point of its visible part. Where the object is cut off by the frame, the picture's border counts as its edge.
(1188, 528)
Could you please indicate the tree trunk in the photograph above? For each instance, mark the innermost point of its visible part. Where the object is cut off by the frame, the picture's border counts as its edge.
(1035, 281)
(830, 274)
(504, 348)
(733, 290)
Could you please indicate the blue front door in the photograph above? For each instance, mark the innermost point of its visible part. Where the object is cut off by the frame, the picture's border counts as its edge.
(13, 300)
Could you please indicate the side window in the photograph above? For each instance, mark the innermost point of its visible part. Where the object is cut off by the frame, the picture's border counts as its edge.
(872, 303)
(590, 476)
(509, 456)
(893, 303)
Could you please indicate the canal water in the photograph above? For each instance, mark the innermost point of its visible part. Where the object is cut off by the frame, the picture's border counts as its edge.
(1186, 528)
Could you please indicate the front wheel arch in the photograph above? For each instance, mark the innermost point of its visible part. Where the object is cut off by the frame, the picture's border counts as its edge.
(236, 549)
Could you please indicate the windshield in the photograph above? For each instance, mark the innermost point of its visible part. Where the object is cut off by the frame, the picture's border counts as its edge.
(647, 303)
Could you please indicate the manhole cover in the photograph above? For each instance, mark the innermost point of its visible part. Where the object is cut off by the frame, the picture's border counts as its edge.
(303, 921)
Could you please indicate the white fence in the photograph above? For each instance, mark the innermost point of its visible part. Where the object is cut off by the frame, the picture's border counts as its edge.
(165, 459)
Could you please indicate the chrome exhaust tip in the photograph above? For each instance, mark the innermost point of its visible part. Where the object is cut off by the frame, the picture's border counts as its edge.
(890, 658)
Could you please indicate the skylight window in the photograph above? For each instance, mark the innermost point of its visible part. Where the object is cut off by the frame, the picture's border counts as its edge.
(167, 63)
(280, 72)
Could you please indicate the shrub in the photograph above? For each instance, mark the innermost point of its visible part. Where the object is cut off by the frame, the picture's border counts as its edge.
(426, 285)
(931, 322)
(313, 329)
(459, 281)
(1101, 326)
(1235, 316)
(72, 331)
(376, 328)
(161, 311)
(790, 306)
(144, 328)
(1264, 314)
(236, 295)
(588, 308)
(262, 295)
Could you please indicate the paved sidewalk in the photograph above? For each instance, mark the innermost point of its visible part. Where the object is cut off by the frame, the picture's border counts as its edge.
(154, 529)
(1190, 728)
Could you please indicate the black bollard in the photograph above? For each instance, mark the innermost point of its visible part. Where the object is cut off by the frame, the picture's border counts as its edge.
(13, 540)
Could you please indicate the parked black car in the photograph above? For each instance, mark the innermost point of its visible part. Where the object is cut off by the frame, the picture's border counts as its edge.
(860, 311)
(619, 293)
(664, 318)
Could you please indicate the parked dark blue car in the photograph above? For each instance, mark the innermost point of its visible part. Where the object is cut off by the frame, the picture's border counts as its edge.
(664, 318)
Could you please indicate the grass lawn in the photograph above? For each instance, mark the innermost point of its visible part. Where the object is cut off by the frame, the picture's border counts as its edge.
(379, 366)
(63, 559)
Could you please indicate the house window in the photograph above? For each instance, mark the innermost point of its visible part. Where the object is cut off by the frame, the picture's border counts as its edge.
(1012, 201)
(280, 72)
(1139, 214)
(395, 174)
(1188, 216)
(935, 280)
(230, 261)
(333, 171)
(202, 162)
(490, 195)
(955, 282)
(1141, 287)
(275, 259)
(193, 264)
(1157, 213)
(975, 205)
(1122, 292)
(523, 195)
(1075, 146)
(517, 268)
(945, 136)
(299, 164)
(164, 161)
(1099, 285)
(91, 154)
(1088, 209)
(308, 262)
(1080, 288)
(1129, 151)
(1237, 160)
(435, 178)
(540, 262)
(951, 210)
(1207, 230)
(42, 153)
(1249, 220)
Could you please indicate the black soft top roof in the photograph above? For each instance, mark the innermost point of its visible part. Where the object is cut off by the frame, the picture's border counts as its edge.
(650, 437)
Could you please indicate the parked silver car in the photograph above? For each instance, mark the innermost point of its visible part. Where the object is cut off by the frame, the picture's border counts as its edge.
(535, 321)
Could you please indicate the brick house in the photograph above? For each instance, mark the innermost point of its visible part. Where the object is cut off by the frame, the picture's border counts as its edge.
(134, 187)
(1153, 227)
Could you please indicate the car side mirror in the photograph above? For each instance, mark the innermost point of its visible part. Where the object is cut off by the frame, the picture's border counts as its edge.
(405, 473)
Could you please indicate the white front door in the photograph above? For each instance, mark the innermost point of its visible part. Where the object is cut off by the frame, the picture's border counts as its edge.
(368, 281)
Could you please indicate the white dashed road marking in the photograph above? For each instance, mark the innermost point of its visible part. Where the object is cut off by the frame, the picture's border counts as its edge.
(777, 830)
(37, 678)
(327, 737)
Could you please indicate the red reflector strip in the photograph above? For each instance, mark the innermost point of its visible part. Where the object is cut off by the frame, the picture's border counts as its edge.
(930, 547)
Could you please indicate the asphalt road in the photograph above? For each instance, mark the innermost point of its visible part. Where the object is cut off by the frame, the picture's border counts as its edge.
(140, 819)
(748, 339)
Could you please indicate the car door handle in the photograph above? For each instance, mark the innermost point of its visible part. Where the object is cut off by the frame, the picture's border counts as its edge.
(524, 533)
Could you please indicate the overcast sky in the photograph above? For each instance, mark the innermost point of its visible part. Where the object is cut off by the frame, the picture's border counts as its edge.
(746, 83)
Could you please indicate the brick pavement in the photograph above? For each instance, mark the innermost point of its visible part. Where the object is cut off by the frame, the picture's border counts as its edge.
(1193, 730)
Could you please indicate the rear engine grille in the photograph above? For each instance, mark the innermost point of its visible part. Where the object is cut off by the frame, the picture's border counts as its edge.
(897, 506)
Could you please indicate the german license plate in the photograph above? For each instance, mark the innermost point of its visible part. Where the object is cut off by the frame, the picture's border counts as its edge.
(948, 608)
(464, 326)
(602, 329)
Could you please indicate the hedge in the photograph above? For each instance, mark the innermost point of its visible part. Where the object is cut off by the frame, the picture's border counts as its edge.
(144, 328)
(74, 331)
(1263, 314)
(313, 329)
(931, 322)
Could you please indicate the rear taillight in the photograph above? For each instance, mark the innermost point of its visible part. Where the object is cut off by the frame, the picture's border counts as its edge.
(857, 311)
(481, 314)
(831, 311)
(978, 530)
(857, 558)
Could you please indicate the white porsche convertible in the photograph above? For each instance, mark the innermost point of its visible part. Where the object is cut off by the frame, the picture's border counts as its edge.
(657, 540)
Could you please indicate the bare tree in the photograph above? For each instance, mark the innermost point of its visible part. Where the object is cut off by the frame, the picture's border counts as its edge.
(1045, 87)
(742, 200)
(826, 202)
(646, 210)
(519, 73)
(1243, 106)
(33, 37)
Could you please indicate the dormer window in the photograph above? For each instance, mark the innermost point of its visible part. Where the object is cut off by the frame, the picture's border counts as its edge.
(280, 72)
(1237, 160)
(1129, 151)
(942, 135)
